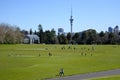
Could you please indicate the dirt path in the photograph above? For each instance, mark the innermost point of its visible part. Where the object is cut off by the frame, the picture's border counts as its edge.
(89, 75)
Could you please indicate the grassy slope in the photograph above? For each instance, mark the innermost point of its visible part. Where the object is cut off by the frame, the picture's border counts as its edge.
(22, 62)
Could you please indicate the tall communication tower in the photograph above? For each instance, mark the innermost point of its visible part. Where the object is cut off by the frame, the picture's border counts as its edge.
(71, 21)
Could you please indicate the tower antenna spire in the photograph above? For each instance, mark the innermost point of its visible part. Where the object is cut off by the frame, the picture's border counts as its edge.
(71, 10)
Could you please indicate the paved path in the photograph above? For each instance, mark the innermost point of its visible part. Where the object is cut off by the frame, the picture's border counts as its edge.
(89, 75)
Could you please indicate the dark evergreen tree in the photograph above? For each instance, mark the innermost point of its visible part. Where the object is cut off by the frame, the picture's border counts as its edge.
(35, 32)
(40, 33)
(31, 32)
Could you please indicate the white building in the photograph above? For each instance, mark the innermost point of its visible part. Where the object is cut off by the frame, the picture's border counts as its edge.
(31, 39)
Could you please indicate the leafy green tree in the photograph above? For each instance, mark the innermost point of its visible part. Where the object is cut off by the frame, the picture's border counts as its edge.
(101, 37)
(76, 37)
(50, 37)
(92, 34)
(84, 37)
(101, 34)
(69, 37)
(62, 39)
(111, 37)
(18, 35)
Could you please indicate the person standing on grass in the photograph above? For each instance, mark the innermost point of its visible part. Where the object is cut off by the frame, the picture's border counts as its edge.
(61, 73)
(39, 54)
(50, 54)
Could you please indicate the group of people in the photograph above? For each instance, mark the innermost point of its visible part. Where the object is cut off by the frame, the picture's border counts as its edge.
(87, 51)
(49, 54)
(63, 48)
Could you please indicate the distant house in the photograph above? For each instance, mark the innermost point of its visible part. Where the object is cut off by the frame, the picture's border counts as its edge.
(31, 39)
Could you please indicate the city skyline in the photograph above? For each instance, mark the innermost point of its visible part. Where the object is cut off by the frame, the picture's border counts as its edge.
(88, 14)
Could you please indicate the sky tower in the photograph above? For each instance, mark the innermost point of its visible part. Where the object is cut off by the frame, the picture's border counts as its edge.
(71, 21)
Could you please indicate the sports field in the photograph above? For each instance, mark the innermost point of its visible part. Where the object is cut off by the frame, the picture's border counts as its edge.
(33, 62)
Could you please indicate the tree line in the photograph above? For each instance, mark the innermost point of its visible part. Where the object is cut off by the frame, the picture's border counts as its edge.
(89, 36)
(13, 35)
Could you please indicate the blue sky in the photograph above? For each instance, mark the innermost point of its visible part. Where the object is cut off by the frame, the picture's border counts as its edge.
(87, 14)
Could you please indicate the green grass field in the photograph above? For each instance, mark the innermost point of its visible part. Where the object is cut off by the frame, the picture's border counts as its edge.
(32, 62)
(115, 77)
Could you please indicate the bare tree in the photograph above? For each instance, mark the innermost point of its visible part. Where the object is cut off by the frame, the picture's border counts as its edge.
(10, 34)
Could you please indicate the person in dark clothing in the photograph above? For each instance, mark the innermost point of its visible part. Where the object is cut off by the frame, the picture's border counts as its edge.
(61, 73)
(50, 54)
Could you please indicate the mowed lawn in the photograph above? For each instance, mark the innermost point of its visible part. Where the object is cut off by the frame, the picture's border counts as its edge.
(32, 62)
(114, 77)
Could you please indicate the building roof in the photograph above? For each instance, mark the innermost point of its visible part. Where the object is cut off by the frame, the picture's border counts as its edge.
(32, 36)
